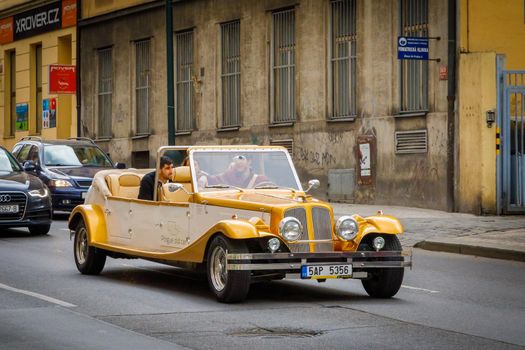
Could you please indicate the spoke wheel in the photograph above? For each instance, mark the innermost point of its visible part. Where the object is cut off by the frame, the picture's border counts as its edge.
(228, 286)
(89, 260)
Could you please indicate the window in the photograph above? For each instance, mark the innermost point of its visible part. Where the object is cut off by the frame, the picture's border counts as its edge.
(105, 92)
(414, 73)
(142, 85)
(12, 93)
(283, 67)
(231, 74)
(23, 155)
(38, 87)
(184, 85)
(343, 59)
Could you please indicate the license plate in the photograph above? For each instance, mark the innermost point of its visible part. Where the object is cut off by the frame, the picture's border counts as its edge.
(8, 208)
(326, 271)
(84, 194)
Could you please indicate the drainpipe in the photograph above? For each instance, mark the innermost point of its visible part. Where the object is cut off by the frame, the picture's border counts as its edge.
(169, 72)
(79, 17)
(451, 99)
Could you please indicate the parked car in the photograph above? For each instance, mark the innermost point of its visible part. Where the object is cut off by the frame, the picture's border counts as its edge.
(241, 214)
(24, 199)
(67, 167)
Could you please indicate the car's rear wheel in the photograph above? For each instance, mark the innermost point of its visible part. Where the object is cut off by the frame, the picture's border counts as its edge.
(39, 229)
(89, 260)
(385, 283)
(228, 286)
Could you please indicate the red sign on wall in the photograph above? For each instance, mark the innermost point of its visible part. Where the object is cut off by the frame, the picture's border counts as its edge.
(62, 79)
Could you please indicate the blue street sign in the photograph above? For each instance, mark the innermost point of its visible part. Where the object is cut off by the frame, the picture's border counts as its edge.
(412, 48)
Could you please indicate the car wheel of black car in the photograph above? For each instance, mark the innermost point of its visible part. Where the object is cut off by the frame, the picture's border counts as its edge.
(89, 260)
(385, 283)
(39, 229)
(228, 286)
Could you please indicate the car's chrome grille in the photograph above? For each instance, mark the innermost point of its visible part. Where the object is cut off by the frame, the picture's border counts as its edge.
(299, 214)
(14, 198)
(322, 228)
(84, 183)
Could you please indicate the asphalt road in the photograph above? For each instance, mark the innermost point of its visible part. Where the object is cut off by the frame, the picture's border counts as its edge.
(447, 301)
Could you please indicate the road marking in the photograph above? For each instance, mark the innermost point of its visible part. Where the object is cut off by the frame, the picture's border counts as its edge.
(37, 295)
(421, 289)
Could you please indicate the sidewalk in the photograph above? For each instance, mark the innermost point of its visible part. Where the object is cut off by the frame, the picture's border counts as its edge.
(501, 237)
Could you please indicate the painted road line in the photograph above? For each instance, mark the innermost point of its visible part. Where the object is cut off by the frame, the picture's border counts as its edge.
(37, 295)
(420, 289)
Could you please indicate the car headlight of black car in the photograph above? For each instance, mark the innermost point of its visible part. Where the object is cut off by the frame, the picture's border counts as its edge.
(39, 193)
(60, 183)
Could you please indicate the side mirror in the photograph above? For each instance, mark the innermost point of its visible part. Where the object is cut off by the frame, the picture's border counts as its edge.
(312, 185)
(29, 165)
(120, 165)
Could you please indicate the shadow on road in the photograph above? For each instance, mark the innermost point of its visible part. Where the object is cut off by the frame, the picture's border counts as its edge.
(21, 232)
(176, 280)
(60, 216)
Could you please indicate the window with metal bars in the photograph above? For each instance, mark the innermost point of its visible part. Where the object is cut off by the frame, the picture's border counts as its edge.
(12, 93)
(283, 67)
(343, 59)
(184, 85)
(231, 74)
(38, 87)
(142, 85)
(105, 91)
(414, 73)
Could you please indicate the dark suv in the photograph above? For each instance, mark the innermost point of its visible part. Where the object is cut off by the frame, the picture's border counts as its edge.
(67, 167)
(24, 199)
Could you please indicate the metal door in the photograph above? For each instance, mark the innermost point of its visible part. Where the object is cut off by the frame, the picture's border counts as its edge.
(512, 109)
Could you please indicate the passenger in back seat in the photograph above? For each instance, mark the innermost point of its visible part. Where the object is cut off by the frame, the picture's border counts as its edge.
(165, 172)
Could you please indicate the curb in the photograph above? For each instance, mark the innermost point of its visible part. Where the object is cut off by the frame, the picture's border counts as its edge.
(466, 249)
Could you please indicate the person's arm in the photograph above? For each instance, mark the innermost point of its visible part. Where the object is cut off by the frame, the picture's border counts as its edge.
(146, 188)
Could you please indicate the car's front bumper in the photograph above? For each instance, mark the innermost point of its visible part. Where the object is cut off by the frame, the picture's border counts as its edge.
(291, 263)
(67, 198)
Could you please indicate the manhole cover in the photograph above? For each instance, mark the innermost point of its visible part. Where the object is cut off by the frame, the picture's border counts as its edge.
(276, 333)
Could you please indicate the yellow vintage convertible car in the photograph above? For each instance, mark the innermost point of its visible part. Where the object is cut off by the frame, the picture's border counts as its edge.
(240, 213)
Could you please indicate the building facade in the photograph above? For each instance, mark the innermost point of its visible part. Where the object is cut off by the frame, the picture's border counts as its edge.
(34, 35)
(321, 77)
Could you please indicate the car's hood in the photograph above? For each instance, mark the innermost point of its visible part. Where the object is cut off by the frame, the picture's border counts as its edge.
(17, 181)
(88, 172)
(266, 199)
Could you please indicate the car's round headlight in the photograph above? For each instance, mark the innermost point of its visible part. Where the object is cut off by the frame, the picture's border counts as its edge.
(378, 243)
(274, 244)
(290, 228)
(346, 228)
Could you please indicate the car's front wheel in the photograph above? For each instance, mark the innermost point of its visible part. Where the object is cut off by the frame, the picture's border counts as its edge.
(385, 282)
(228, 286)
(89, 260)
(39, 229)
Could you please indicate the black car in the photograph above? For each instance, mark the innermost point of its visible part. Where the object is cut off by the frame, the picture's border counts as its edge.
(67, 167)
(24, 200)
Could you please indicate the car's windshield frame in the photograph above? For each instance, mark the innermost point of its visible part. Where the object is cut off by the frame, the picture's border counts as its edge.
(14, 163)
(192, 152)
(106, 158)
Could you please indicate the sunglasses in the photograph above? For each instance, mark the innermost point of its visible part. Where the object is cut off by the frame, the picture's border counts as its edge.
(241, 157)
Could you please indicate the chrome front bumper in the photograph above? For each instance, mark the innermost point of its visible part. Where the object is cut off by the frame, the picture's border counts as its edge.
(290, 263)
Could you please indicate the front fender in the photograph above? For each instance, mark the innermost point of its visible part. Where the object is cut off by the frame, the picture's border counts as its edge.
(94, 219)
(382, 224)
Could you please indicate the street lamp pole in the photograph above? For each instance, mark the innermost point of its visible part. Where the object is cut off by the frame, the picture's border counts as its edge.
(169, 72)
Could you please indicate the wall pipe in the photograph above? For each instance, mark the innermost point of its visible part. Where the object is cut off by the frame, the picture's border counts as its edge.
(169, 72)
(78, 92)
(451, 100)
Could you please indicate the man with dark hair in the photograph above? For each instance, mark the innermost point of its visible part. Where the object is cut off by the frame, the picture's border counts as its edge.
(165, 172)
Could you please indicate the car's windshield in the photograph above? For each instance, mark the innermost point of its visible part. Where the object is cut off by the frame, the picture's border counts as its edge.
(8, 163)
(75, 155)
(266, 169)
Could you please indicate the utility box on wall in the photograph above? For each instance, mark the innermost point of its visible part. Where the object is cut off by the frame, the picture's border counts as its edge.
(341, 184)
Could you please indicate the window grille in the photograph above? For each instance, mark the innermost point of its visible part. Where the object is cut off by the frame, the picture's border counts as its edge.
(414, 141)
(231, 73)
(283, 66)
(105, 91)
(343, 42)
(185, 114)
(12, 91)
(142, 85)
(414, 73)
(38, 92)
(288, 144)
